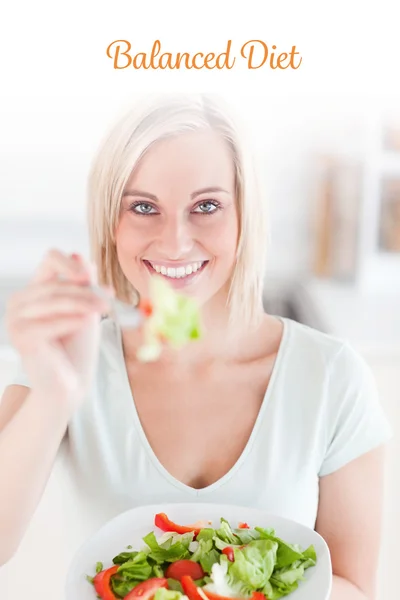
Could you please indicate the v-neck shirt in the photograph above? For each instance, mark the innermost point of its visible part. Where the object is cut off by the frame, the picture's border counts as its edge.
(320, 411)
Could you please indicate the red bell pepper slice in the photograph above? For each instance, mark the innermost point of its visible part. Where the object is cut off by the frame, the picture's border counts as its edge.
(243, 526)
(190, 588)
(192, 592)
(165, 524)
(147, 589)
(102, 583)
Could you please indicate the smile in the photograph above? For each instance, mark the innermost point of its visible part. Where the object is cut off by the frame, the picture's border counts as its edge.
(182, 273)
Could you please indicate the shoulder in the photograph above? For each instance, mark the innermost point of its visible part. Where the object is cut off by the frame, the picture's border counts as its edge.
(338, 387)
(305, 343)
(334, 358)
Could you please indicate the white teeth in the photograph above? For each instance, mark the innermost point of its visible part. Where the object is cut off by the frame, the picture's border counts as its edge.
(178, 272)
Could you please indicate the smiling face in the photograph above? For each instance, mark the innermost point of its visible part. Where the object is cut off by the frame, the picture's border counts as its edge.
(179, 217)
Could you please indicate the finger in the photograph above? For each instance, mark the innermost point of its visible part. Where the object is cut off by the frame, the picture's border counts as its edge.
(54, 290)
(56, 264)
(56, 307)
(89, 268)
(37, 332)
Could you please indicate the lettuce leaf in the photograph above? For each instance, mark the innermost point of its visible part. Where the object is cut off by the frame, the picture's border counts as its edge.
(287, 553)
(123, 557)
(205, 534)
(121, 586)
(174, 548)
(254, 564)
(175, 319)
(164, 594)
(206, 555)
(226, 534)
(137, 568)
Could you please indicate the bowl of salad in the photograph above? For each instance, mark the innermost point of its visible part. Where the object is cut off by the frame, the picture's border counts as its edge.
(200, 552)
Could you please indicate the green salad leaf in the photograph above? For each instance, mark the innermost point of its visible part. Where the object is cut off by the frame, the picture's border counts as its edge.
(137, 568)
(123, 557)
(171, 550)
(175, 318)
(164, 594)
(226, 534)
(121, 586)
(206, 554)
(254, 564)
(257, 561)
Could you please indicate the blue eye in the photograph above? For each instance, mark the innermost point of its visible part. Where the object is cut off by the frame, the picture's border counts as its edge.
(207, 208)
(143, 208)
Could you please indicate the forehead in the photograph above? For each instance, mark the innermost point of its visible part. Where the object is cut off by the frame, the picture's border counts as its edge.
(193, 160)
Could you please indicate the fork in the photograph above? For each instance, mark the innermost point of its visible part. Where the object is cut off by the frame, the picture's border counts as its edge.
(127, 316)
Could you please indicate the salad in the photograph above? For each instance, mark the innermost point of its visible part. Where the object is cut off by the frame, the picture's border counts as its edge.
(171, 318)
(198, 562)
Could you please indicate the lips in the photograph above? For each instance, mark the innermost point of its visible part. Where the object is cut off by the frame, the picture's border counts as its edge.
(176, 272)
(179, 275)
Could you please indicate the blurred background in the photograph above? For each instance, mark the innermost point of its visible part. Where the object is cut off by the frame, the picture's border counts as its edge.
(331, 170)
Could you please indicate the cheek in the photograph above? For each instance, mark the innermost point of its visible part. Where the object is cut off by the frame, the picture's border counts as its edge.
(126, 238)
(127, 246)
(223, 237)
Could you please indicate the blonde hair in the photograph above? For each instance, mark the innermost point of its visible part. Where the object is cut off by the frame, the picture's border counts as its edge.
(158, 117)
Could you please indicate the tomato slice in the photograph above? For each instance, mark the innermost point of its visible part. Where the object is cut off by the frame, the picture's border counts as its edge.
(243, 526)
(146, 308)
(190, 588)
(102, 584)
(180, 568)
(165, 524)
(228, 551)
(147, 589)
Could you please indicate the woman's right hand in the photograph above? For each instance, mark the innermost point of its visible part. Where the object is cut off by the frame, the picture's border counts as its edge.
(54, 324)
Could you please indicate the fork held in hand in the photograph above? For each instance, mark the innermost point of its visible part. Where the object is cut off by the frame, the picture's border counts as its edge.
(127, 316)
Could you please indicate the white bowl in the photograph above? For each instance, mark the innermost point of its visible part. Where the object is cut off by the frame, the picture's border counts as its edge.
(130, 527)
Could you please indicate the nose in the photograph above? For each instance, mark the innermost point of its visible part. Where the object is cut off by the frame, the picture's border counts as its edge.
(175, 239)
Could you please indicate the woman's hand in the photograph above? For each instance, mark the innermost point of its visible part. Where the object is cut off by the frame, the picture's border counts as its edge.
(54, 324)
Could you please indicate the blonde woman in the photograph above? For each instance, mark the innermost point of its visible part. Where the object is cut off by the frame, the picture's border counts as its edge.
(262, 411)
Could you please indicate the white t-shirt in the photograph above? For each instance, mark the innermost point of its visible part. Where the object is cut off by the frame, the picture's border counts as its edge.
(320, 411)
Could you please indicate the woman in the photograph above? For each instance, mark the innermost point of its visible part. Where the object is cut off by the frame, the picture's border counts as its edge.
(262, 411)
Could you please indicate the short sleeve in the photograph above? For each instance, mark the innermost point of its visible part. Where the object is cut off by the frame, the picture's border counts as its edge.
(355, 420)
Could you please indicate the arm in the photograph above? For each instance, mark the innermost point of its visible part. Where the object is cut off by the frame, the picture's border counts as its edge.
(31, 430)
(349, 519)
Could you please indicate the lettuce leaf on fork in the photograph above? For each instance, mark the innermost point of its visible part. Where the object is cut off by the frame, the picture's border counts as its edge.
(174, 319)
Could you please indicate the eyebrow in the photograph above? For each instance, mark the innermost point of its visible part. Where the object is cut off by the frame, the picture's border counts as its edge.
(206, 190)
